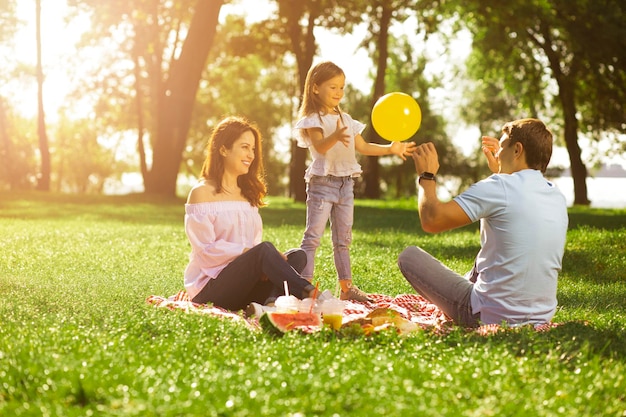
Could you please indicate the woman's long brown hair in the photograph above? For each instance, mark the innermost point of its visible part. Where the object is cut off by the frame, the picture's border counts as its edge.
(227, 131)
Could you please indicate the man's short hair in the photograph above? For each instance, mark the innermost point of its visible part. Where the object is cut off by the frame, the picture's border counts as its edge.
(536, 139)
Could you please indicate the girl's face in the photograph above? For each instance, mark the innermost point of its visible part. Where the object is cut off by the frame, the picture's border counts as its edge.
(238, 159)
(330, 92)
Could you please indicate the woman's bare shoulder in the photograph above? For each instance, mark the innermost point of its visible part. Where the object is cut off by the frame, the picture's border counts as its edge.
(203, 192)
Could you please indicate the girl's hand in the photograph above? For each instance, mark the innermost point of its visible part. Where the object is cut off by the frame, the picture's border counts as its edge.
(340, 134)
(491, 149)
(403, 149)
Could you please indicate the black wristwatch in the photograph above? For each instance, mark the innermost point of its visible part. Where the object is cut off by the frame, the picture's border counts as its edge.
(427, 176)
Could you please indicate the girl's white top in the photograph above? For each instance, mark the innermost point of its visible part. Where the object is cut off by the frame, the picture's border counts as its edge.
(340, 160)
(218, 233)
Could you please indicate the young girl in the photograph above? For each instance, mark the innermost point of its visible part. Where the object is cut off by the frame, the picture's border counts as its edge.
(332, 138)
(229, 265)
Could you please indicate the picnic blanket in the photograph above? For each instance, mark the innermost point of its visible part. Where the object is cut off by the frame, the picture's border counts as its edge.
(412, 307)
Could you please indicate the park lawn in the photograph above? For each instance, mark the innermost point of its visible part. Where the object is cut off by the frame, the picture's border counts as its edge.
(77, 337)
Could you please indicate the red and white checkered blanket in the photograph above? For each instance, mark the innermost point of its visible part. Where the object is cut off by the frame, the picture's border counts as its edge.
(411, 307)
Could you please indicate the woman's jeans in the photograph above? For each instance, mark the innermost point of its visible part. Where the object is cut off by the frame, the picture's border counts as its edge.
(440, 285)
(257, 275)
(331, 198)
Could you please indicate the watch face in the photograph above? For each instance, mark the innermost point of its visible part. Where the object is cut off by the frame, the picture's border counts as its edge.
(427, 175)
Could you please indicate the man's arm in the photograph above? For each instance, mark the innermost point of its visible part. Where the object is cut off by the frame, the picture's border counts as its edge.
(435, 216)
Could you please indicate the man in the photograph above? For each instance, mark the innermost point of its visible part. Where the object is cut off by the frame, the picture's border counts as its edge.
(523, 225)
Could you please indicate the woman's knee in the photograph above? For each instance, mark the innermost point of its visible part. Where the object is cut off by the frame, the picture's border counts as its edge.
(297, 259)
(266, 246)
(407, 255)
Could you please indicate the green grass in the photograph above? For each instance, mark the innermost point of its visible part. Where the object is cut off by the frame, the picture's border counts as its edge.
(77, 337)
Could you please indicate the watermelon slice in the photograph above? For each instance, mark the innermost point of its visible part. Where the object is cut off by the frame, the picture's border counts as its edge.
(279, 323)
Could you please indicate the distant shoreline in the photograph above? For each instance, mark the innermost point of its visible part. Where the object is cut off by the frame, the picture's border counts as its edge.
(603, 192)
(606, 171)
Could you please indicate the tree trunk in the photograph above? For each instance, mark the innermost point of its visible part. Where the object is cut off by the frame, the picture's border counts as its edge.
(7, 171)
(577, 167)
(303, 44)
(178, 98)
(43, 181)
(371, 172)
(566, 83)
(140, 119)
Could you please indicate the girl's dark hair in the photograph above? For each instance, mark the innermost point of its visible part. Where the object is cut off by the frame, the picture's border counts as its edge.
(226, 132)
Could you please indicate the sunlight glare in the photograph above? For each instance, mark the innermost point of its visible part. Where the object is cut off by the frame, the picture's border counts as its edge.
(58, 45)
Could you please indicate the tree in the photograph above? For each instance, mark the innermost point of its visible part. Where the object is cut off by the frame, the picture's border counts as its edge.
(383, 10)
(245, 75)
(524, 48)
(291, 14)
(296, 22)
(8, 20)
(172, 40)
(7, 172)
(400, 66)
(82, 162)
(8, 23)
(18, 138)
(43, 181)
(177, 99)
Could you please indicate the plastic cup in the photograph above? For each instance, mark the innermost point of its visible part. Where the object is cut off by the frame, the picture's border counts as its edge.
(309, 305)
(332, 313)
(287, 304)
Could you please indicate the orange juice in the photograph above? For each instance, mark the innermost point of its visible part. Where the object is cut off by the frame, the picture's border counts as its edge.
(334, 320)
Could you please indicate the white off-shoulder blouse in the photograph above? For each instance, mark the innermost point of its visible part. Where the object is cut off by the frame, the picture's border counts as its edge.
(218, 232)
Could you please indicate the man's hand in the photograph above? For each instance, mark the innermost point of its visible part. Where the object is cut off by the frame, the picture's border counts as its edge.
(491, 149)
(426, 158)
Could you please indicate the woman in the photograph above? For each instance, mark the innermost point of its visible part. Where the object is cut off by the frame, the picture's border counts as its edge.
(229, 264)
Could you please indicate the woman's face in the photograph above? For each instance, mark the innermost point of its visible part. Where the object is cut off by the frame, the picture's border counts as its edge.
(330, 92)
(238, 159)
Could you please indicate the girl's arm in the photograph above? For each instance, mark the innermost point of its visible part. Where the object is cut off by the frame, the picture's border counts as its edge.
(323, 144)
(402, 149)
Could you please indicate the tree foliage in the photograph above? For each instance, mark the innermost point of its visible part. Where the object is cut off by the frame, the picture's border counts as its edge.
(18, 169)
(8, 20)
(145, 72)
(559, 59)
(246, 79)
(168, 48)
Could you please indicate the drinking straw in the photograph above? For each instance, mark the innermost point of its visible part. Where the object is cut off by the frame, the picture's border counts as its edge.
(286, 288)
(317, 285)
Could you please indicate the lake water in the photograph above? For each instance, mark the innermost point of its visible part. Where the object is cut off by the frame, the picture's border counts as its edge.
(604, 192)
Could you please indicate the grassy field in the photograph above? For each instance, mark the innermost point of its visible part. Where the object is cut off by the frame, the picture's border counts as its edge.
(77, 337)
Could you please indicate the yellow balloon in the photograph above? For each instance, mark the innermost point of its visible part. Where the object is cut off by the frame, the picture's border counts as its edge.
(396, 116)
